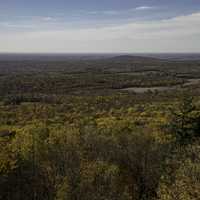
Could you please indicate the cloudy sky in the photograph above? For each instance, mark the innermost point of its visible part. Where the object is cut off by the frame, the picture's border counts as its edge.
(84, 26)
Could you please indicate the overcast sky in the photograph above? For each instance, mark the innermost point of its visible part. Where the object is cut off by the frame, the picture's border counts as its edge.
(84, 26)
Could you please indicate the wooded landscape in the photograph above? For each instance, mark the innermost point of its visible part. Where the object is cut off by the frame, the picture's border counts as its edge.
(77, 129)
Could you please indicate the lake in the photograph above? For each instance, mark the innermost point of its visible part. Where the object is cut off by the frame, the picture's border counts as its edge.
(161, 88)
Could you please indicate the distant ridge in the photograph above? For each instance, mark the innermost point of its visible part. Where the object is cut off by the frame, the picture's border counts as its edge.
(51, 57)
(136, 59)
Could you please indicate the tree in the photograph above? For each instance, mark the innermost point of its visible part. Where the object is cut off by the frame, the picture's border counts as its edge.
(184, 183)
(185, 121)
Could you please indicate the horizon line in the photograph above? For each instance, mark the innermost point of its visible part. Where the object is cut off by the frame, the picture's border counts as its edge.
(65, 53)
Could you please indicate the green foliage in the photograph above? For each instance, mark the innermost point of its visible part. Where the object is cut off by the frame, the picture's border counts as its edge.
(185, 184)
(185, 122)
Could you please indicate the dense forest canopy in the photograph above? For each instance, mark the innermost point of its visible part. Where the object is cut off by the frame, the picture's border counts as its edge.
(78, 129)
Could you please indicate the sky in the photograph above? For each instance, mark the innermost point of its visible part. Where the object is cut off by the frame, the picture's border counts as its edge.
(99, 26)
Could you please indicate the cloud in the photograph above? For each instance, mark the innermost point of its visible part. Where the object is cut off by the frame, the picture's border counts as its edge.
(179, 34)
(48, 19)
(16, 25)
(111, 12)
(144, 8)
(105, 12)
(120, 12)
(27, 22)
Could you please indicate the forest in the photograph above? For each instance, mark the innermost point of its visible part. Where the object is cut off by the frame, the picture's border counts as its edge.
(117, 128)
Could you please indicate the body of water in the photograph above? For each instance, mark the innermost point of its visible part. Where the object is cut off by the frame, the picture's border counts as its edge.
(162, 88)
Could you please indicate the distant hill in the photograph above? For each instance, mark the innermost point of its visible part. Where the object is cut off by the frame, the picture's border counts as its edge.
(176, 56)
(136, 59)
(51, 57)
(142, 57)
